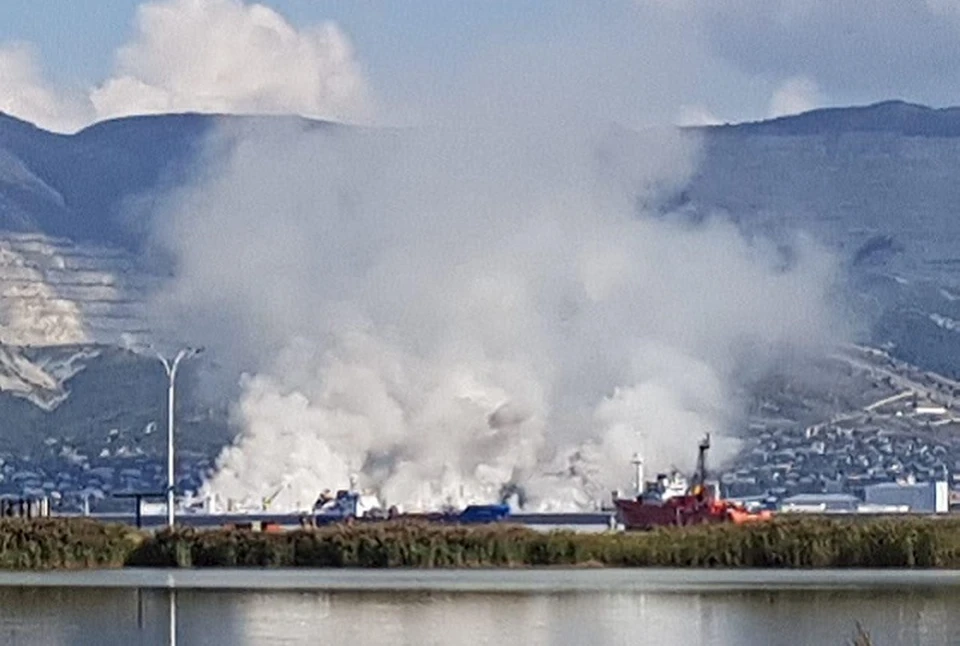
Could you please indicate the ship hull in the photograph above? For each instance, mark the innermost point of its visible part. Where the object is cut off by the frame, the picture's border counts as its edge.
(683, 511)
(678, 512)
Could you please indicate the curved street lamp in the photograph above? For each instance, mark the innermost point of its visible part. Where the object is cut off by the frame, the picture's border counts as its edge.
(171, 368)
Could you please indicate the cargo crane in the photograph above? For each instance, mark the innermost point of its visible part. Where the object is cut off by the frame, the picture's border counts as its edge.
(268, 500)
(669, 503)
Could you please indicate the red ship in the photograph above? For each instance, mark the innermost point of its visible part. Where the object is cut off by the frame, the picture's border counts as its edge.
(667, 504)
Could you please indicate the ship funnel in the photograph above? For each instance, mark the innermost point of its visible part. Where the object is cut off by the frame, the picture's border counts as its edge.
(638, 482)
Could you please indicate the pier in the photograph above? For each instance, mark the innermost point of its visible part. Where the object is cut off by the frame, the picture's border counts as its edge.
(21, 507)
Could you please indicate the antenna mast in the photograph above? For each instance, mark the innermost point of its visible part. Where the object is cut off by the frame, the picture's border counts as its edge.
(700, 476)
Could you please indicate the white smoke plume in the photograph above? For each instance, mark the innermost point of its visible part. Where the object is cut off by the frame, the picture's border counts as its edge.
(456, 308)
(211, 56)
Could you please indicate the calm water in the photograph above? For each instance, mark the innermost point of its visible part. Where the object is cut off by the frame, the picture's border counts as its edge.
(556, 608)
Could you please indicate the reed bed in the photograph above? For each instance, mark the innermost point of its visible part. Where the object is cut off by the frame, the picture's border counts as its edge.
(64, 544)
(783, 543)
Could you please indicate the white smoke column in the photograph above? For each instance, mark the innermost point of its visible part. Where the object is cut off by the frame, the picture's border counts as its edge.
(448, 310)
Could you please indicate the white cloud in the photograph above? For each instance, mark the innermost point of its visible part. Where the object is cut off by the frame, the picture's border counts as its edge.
(795, 95)
(654, 57)
(224, 56)
(201, 56)
(25, 93)
(857, 51)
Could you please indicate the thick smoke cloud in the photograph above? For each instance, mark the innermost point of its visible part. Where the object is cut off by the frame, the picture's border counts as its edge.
(453, 309)
(215, 56)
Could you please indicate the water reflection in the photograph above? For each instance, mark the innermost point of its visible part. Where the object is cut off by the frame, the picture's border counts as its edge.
(204, 617)
(172, 634)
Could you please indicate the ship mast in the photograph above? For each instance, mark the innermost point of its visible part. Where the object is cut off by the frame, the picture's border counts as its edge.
(700, 475)
(638, 482)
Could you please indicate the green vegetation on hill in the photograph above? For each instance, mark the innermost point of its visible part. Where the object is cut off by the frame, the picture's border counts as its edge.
(784, 543)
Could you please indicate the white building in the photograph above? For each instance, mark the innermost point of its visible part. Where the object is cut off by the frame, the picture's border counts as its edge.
(820, 503)
(920, 497)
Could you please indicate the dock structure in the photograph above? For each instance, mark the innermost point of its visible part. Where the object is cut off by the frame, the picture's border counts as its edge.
(138, 498)
(581, 522)
(24, 507)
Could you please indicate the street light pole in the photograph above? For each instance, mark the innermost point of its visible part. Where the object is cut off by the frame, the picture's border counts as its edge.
(171, 368)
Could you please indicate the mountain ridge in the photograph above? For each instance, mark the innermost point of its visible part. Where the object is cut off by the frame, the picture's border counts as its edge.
(95, 171)
(892, 116)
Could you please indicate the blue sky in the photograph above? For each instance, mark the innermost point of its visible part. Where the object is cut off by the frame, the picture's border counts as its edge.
(630, 60)
(76, 39)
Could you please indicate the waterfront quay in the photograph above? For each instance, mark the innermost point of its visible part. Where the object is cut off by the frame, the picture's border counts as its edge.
(580, 522)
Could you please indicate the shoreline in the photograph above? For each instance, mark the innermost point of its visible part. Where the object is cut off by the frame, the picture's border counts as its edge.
(489, 581)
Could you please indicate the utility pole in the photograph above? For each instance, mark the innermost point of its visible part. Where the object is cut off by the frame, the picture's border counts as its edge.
(171, 368)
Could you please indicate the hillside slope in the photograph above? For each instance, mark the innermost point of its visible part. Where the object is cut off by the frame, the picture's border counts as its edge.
(875, 183)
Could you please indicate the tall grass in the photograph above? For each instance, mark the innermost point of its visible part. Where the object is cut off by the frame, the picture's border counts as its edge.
(784, 543)
(49, 543)
(788, 543)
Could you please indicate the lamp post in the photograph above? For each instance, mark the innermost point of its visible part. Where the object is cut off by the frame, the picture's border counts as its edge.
(171, 368)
